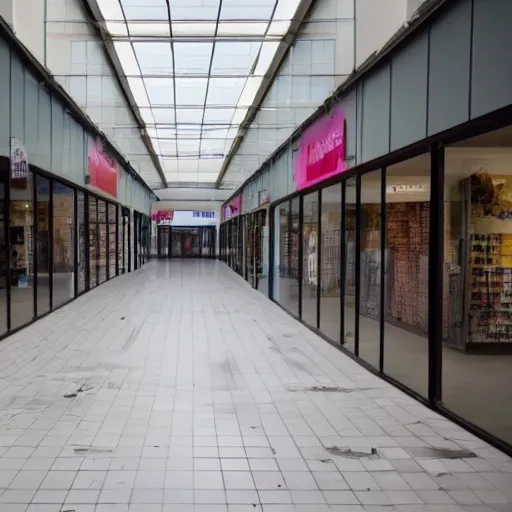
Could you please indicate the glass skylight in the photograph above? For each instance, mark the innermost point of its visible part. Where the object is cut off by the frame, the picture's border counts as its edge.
(194, 69)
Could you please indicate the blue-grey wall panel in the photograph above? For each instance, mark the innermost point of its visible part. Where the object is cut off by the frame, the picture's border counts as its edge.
(491, 84)
(57, 137)
(359, 123)
(409, 93)
(45, 133)
(17, 100)
(31, 109)
(450, 53)
(375, 128)
(5, 98)
(349, 105)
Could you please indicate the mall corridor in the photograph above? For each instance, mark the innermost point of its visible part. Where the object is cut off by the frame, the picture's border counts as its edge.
(178, 388)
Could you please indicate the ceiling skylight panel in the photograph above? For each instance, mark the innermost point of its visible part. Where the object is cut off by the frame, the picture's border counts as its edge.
(117, 28)
(214, 132)
(160, 91)
(127, 58)
(286, 9)
(218, 115)
(250, 90)
(224, 91)
(164, 115)
(189, 115)
(155, 58)
(239, 116)
(194, 9)
(145, 9)
(247, 9)
(234, 58)
(191, 29)
(188, 165)
(190, 91)
(212, 146)
(111, 10)
(138, 92)
(192, 58)
(267, 54)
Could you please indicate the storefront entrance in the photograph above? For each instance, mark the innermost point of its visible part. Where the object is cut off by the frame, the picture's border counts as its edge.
(186, 242)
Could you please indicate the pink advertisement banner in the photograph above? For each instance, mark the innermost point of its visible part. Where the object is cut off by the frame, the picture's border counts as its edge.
(233, 208)
(322, 150)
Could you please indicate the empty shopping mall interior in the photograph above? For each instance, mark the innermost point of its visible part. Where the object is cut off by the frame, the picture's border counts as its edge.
(255, 255)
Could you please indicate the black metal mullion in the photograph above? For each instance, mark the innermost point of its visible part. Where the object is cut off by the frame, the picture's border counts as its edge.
(342, 263)
(358, 265)
(383, 237)
(300, 250)
(319, 260)
(51, 235)
(435, 274)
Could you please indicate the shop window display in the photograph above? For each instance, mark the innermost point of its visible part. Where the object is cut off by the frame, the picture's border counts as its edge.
(3, 253)
(349, 241)
(63, 244)
(406, 272)
(330, 262)
(370, 258)
(43, 245)
(112, 229)
(93, 242)
(21, 218)
(310, 239)
(103, 241)
(477, 284)
(81, 233)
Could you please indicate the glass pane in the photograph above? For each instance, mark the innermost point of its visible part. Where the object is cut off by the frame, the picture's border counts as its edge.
(370, 264)
(82, 262)
(3, 254)
(63, 244)
(112, 227)
(406, 272)
(477, 319)
(350, 264)
(282, 253)
(330, 272)
(310, 259)
(43, 245)
(22, 251)
(102, 234)
(93, 242)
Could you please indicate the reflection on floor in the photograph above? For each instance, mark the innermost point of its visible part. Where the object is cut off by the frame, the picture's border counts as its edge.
(477, 388)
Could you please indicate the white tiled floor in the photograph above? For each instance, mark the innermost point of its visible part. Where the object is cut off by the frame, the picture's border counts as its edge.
(193, 398)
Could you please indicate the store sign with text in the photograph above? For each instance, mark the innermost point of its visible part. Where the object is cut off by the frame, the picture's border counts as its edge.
(102, 168)
(19, 164)
(233, 208)
(321, 154)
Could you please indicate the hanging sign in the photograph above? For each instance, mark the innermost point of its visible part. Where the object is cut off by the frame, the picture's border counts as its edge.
(102, 168)
(322, 150)
(19, 164)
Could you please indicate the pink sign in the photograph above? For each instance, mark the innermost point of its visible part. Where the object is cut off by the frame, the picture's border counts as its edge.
(233, 208)
(322, 150)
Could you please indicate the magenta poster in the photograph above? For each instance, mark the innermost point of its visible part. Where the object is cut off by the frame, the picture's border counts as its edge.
(233, 208)
(322, 150)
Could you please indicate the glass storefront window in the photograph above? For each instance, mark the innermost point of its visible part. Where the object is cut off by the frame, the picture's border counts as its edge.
(63, 243)
(477, 295)
(22, 251)
(81, 232)
(349, 245)
(310, 238)
(330, 270)
(406, 272)
(4, 255)
(103, 241)
(93, 242)
(43, 245)
(112, 228)
(370, 267)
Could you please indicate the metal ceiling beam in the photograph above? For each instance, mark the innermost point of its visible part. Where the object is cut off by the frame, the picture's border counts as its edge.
(302, 12)
(93, 11)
